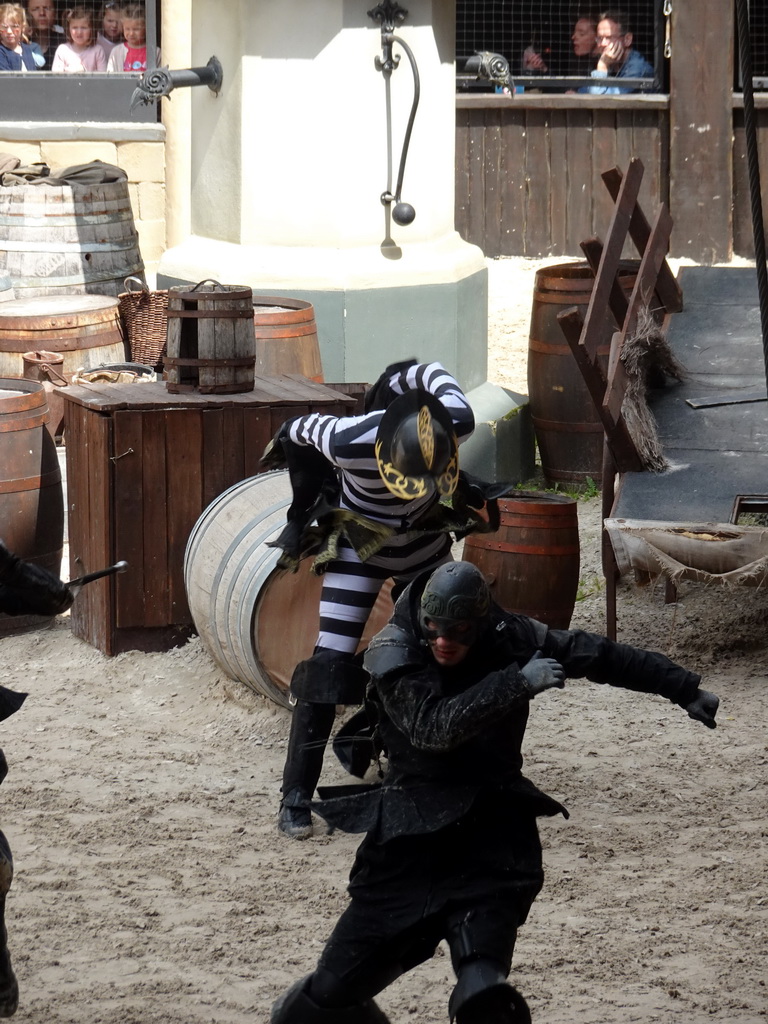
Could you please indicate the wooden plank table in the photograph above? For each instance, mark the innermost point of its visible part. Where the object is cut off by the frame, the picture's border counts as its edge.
(142, 466)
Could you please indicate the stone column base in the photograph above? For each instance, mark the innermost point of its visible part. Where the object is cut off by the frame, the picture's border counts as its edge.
(373, 306)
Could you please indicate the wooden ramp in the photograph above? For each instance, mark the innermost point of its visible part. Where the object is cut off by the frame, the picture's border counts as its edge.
(688, 521)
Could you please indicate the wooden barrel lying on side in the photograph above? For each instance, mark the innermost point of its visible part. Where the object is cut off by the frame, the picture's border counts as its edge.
(532, 561)
(256, 620)
(84, 329)
(286, 337)
(31, 496)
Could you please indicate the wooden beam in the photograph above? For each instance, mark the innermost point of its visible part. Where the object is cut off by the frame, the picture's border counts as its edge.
(611, 257)
(701, 130)
(667, 287)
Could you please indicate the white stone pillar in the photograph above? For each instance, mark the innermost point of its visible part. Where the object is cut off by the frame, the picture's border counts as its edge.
(177, 119)
(288, 166)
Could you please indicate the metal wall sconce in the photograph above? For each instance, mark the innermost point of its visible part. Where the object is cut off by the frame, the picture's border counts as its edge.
(159, 82)
(389, 14)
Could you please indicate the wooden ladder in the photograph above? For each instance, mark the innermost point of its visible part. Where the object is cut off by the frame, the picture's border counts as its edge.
(655, 281)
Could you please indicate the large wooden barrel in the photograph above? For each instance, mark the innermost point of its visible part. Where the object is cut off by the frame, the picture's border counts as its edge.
(568, 430)
(31, 500)
(532, 562)
(84, 329)
(257, 621)
(286, 337)
(62, 239)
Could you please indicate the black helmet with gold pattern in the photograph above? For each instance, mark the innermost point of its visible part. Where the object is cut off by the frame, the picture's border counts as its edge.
(416, 447)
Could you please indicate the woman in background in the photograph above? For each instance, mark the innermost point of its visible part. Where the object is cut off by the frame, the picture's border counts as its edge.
(15, 53)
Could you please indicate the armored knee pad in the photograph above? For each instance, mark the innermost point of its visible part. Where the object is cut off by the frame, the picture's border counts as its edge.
(295, 1007)
(483, 996)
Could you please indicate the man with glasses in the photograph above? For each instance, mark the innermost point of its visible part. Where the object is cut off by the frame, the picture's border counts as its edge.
(617, 58)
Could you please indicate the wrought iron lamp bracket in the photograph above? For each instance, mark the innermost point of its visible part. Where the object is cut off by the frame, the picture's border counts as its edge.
(159, 82)
(389, 14)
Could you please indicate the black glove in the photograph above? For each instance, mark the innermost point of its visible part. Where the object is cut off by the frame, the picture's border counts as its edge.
(541, 673)
(703, 708)
(28, 589)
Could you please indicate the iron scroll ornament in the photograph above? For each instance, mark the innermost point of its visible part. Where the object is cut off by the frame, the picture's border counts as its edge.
(389, 14)
(159, 82)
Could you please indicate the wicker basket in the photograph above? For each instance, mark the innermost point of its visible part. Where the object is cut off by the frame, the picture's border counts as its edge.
(145, 321)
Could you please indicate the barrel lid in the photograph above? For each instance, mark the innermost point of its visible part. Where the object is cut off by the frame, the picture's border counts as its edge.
(20, 313)
(51, 305)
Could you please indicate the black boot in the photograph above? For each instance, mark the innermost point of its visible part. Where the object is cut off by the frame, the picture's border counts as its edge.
(294, 818)
(295, 1007)
(311, 726)
(9, 987)
(483, 996)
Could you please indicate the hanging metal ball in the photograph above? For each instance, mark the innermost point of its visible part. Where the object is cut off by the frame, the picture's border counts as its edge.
(403, 213)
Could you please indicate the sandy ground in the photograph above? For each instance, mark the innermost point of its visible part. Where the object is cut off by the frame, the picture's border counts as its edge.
(152, 886)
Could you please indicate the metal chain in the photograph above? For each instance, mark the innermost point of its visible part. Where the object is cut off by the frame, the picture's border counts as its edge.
(667, 29)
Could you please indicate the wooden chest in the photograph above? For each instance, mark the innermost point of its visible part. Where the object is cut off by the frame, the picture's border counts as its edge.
(142, 466)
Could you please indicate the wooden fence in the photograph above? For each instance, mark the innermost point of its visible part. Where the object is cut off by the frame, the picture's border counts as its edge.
(528, 170)
(528, 166)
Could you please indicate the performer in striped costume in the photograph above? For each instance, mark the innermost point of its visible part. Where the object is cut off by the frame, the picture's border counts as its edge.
(392, 466)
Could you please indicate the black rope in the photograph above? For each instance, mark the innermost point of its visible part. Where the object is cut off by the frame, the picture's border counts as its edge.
(753, 165)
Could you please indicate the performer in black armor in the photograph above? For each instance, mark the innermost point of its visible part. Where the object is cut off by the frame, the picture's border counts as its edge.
(375, 481)
(25, 589)
(452, 849)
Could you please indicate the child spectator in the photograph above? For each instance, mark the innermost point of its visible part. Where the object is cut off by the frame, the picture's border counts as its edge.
(132, 54)
(80, 52)
(111, 32)
(15, 52)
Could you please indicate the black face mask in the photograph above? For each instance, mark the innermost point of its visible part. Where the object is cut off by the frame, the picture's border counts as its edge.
(458, 631)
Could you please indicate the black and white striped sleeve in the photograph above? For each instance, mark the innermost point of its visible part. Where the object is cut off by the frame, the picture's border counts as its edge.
(434, 378)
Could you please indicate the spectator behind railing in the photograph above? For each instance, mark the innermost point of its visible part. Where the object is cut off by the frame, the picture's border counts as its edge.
(81, 52)
(580, 61)
(617, 58)
(15, 52)
(111, 31)
(132, 54)
(43, 30)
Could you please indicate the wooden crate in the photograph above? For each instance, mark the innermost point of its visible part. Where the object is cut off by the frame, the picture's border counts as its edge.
(142, 465)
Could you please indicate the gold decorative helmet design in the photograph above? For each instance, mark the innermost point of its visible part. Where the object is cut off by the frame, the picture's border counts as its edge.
(416, 448)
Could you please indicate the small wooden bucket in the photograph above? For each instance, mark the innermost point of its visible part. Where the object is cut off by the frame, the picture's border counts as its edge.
(31, 495)
(84, 329)
(47, 367)
(211, 347)
(532, 561)
(286, 337)
(257, 621)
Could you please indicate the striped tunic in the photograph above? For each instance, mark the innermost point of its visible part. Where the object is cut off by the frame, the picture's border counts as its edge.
(350, 586)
